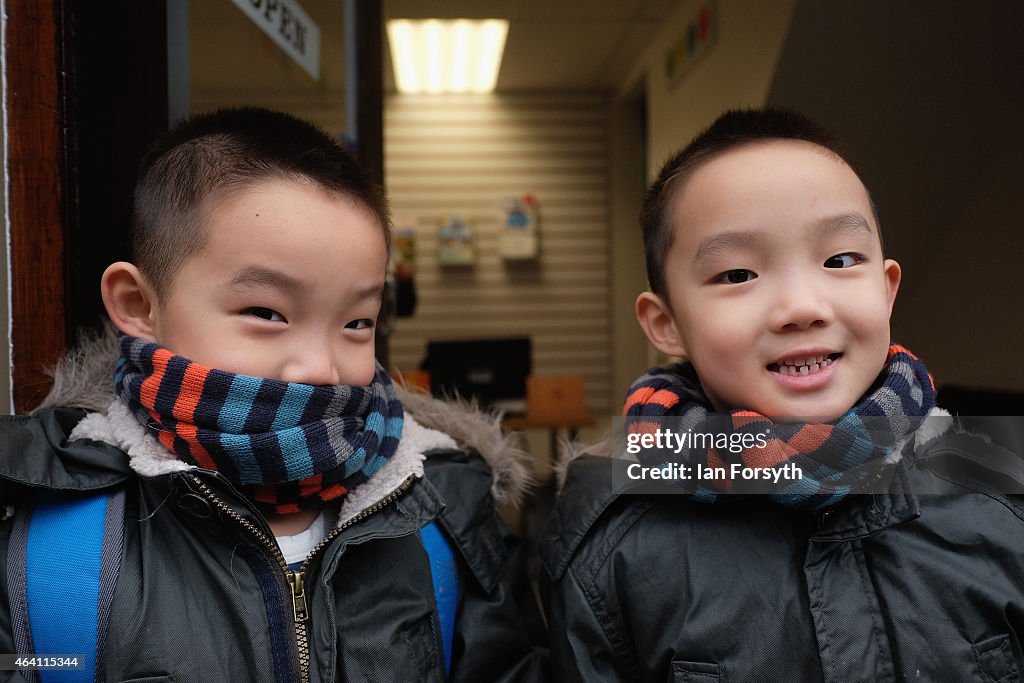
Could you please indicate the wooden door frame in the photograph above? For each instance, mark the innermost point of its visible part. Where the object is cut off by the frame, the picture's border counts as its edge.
(86, 93)
(37, 177)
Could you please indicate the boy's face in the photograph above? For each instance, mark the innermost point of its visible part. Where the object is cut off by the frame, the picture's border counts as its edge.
(779, 293)
(287, 286)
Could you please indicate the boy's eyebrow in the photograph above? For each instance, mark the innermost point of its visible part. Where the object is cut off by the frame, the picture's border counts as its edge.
(723, 241)
(371, 292)
(852, 223)
(261, 276)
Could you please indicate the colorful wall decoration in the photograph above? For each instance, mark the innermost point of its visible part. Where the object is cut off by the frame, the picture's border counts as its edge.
(697, 38)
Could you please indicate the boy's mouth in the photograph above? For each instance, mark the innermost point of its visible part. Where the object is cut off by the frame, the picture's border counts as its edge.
(807, 365)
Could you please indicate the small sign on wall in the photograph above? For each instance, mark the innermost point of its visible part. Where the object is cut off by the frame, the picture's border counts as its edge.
(456, 244)
(290, 27)
(520, 229)
(692, 43)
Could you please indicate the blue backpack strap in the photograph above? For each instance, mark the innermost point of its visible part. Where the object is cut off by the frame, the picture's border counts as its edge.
(70, 559)
(444, 571)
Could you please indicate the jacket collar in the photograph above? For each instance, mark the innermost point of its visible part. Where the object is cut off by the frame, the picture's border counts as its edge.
(863, 515)
(35, 451)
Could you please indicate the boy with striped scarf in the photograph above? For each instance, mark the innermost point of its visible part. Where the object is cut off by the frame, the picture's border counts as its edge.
(765, 263)
(278, 509)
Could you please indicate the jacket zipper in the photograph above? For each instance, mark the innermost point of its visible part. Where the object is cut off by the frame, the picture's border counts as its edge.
(297, 580)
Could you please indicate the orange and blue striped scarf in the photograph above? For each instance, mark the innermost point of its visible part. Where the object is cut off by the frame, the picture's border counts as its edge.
(835, 458)
(288, 446)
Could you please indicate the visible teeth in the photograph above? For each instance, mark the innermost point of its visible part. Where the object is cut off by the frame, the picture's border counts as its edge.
(798, 362)
(804, 366)
(805, 361)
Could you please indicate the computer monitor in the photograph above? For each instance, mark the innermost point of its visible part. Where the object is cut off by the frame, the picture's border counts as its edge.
(493, 371)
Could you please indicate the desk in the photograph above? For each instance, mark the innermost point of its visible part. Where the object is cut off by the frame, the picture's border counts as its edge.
(553, 402)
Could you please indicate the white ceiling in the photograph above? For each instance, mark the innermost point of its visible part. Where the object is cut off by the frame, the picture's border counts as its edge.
(553, 44)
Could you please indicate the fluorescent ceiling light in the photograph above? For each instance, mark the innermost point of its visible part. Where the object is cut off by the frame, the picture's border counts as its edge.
(445, 55)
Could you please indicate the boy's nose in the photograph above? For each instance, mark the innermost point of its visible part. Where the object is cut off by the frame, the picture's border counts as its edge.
(313, 366)
(800, 306)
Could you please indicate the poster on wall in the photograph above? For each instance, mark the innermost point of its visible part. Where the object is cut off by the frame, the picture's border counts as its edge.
(456, 242)
(520, 229)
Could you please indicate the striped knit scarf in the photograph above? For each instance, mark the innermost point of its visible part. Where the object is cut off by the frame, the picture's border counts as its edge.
(288, 446)
(835, 458)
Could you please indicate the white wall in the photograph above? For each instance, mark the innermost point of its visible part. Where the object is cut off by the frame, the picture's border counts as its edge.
(736, 72)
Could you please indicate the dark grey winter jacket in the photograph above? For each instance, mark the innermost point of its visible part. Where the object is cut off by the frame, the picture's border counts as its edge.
(909, 586)
(203, 593)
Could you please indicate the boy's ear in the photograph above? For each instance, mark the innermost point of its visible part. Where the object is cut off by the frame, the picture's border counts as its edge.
(893, 275)
(656, 320)
(129, 300)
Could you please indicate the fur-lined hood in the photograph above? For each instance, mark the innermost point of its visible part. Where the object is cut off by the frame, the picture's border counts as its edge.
(84, 379)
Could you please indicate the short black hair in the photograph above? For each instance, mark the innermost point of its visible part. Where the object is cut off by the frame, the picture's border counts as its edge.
(729, 131)
(222, 151)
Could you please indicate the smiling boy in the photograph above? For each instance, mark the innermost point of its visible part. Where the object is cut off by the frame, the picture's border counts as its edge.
(774, 285)
(765, 263)
(279, 510)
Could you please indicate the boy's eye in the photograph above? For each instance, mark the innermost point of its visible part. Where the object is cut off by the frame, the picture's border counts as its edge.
(736, 277)
(265, 313)
(842, 261)
(361, 324)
